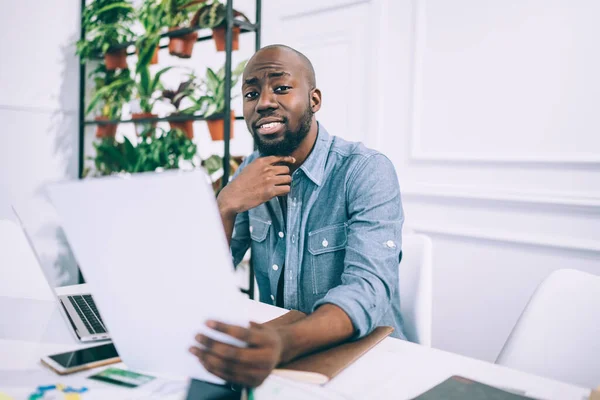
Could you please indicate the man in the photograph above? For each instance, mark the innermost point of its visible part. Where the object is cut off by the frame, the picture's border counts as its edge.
(323, 217)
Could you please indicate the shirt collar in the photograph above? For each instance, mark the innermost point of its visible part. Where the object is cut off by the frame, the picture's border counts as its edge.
(314, 165)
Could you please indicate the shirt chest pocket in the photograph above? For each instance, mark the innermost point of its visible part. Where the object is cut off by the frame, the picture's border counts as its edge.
(327, 250)
(261, 243)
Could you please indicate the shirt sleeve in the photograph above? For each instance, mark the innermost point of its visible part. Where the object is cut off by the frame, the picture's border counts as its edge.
(370, 277)
(240, 237)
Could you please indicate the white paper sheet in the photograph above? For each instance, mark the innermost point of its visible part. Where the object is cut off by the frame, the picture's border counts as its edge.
(153, 252)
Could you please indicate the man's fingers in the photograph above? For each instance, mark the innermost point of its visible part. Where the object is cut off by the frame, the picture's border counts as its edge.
(230, 371)
(245, 335)
(281, 170)
(281, 180)
(281, 190)
(248, 357)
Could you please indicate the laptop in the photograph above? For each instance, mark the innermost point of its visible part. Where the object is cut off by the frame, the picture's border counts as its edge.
(154, 254)
(78, 307)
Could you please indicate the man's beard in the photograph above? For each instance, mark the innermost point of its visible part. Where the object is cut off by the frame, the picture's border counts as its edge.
(290, 141)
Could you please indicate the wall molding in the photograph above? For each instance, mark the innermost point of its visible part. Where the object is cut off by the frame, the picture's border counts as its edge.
(515, 238)
(418, 154)
(312, 7)
(458, 192)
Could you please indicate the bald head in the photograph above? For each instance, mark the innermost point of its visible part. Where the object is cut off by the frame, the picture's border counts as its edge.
(280, 50)
(280, 100)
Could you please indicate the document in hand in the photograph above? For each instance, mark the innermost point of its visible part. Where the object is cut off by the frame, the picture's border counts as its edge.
(153, 252)
(320, 367)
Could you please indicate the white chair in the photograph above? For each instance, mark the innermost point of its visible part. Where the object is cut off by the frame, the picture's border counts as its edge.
(558, 334)
(415, 288)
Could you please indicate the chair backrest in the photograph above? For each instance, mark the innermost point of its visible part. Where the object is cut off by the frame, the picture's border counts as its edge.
(558, 334)
(415, 288)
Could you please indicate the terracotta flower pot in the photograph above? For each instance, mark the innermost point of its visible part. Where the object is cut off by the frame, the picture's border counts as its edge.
(116, 59)
(186, 126)
(216, 127)
(141, 127)
(219, 38)
(182, 46)
(154, 59)
(105, 130)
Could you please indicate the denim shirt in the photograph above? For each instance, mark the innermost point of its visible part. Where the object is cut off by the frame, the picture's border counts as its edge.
(343, 238)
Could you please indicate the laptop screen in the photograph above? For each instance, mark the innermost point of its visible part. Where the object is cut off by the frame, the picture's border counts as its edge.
(41, 226)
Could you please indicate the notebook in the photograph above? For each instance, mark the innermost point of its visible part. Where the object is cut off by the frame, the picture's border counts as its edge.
(320, 367)
(459, 388)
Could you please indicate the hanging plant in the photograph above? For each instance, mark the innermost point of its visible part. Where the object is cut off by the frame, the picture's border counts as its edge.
(185, 91)
(169, 150)
(180, 14)
(212, 100)
(152, 17)
(107, 28)
(147, 92)
(112, 90)
(213, 16)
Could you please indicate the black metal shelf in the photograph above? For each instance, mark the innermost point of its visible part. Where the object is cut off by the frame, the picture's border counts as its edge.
(244, 25)
(177, 118)
(230, 23)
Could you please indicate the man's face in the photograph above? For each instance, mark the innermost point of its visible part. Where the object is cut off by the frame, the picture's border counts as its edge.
(277, 105)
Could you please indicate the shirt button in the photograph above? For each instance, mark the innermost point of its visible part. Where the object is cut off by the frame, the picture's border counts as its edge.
(275, 267)
(281, 235)
(293, 238)
(272, 297)
(325, 243)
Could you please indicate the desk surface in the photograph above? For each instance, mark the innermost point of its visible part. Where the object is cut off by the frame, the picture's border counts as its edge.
(30, 329)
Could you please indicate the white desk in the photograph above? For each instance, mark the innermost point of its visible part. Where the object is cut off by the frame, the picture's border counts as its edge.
(30, 329)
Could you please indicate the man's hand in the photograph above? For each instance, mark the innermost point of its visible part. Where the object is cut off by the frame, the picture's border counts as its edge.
(259, 182)
(248, 366)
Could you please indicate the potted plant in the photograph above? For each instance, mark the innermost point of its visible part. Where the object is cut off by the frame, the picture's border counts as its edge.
(169, 150)
(112, 91)
(213, 16)
(185, 90)
(107, 26)
(212, 102)
(147, 92)
(214, 168)
(179, 14)
(152, 17)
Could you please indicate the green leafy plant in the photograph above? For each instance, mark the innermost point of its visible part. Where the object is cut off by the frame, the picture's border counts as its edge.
(166, 151)
(186, 89)
(212, 101)
(153, 19)
(112, 90)
(179, 13)
(214, 164)
(107, 24)
(212, 15)
(148, 88)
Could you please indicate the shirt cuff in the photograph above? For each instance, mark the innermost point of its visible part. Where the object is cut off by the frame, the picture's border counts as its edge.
(361, 317)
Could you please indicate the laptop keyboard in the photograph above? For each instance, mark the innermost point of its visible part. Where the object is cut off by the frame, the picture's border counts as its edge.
(86, 309)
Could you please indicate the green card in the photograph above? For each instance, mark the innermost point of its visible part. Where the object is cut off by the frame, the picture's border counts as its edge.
(122, 377)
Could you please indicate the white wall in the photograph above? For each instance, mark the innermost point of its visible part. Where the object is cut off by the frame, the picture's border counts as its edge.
(38, 95)
(38, 121)
(487, 109)
(495, 136)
